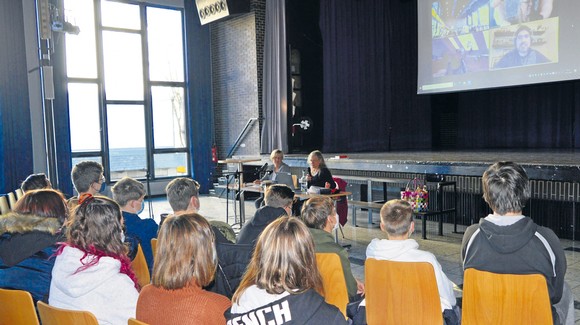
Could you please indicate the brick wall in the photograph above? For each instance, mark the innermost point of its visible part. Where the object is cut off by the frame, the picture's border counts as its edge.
(236, 50)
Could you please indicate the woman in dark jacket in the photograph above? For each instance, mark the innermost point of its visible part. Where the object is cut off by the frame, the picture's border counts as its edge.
(27, 241)
(318, 174)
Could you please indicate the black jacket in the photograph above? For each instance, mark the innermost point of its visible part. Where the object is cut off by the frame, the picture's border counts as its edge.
(308, 308)
(263, 217)
(27, 244)
(233, 259)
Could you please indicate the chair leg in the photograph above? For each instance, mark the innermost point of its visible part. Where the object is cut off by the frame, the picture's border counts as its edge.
(342, 232)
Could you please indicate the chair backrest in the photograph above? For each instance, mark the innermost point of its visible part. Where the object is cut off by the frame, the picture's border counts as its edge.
(17, 307)
(154, 247)
(491, 298)
(12, 200)
(401, 293)
(335, 291)
(133, 321)
(50, 315)
(139, 265)
(19, 193)
(4, 207)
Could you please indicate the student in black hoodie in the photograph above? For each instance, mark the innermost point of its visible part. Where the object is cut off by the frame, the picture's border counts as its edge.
(279, 199)
(282, 283)
(506, 241)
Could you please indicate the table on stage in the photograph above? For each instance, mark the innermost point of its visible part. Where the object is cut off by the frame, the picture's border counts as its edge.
(240, 175)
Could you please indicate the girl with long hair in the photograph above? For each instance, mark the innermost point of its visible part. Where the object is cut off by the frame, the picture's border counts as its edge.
(185, 262)
(92, 271)
(282, 282)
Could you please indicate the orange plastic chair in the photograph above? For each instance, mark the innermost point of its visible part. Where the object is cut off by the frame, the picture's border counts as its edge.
(133, 321)
(491, 298)
(17, 307)
(154, 247)
(401, 293)
(335, 291)
(50, 315)
(139, 265)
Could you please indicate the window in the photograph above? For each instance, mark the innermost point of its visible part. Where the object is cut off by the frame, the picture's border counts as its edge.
(126, 88)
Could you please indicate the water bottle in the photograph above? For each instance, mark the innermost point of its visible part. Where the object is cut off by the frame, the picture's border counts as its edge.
(303, 182)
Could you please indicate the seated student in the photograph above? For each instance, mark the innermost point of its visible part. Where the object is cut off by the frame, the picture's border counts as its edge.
(397, 222)
(87, 178)
(130, 194)
(35, 182)
(506, 241)
(279, 199)
(186, 261)
(282, 283)
(183, 196)
(92, 271)
(29, 236)
(319, 215)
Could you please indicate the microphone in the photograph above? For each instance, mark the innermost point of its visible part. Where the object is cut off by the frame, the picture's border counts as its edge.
(262, 169)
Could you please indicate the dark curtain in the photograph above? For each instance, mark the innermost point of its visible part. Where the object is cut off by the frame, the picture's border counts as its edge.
(535, 116)
(369, 62)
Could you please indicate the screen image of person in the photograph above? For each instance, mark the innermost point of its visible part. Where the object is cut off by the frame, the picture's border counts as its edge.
(523, 53)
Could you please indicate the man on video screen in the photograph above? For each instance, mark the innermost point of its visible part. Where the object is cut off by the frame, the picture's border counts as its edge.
(522, 54)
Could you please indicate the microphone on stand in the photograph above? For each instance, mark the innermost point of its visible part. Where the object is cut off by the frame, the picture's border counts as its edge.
(262, 169)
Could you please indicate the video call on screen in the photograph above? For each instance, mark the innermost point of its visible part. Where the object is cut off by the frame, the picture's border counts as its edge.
(477, 44)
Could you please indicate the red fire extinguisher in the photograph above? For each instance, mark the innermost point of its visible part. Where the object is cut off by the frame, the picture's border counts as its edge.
(214, 156)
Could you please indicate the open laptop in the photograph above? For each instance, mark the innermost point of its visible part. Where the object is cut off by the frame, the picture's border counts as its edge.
(285, 178)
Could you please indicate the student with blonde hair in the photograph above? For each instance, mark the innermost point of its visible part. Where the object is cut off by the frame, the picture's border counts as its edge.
(186, 262)
(282, 283)
(92, 271)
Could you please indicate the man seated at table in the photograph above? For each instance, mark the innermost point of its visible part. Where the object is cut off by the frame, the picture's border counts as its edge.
(319, 214)
(278, 199)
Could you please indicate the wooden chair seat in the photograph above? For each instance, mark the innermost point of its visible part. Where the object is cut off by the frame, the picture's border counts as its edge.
(139, 265)
(17, 307)
(50, 315)
(154, 247)
(401, 293)
(333, 281)
(133, 321)
(492, 298)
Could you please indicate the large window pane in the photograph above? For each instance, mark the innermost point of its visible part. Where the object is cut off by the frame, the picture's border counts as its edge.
(170, 164)
(123, 66)
(164, 30)
(168, 117)
(85, 124)
(126, 132)
(120, 15)
(81, 49)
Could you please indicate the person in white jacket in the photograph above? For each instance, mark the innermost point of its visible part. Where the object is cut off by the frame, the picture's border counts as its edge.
(397, 222)
(92, 271)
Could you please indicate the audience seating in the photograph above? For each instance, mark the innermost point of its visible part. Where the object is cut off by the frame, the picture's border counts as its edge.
(50, 315)
(401, 293)
(154, 247)
(139, 265)
(335, 291)
(491, 298)
(17, 307)
(4, 207)
(133, 321)
(12, 200)
(19, 193)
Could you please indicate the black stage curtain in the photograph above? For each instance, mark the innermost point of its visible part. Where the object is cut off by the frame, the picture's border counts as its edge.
(370, 69)
(370, 100)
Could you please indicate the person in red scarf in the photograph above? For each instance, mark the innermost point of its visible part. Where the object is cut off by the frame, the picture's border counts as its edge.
(92, 271)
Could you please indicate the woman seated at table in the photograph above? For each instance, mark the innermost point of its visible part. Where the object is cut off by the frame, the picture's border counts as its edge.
(282, 282)
(318, 174)
(278, 166)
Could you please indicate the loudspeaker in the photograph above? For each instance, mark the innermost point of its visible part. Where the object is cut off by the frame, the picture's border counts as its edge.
(213, 10)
